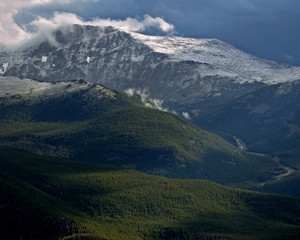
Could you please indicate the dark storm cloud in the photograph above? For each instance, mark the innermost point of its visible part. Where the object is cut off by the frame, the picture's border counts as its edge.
(266, 28)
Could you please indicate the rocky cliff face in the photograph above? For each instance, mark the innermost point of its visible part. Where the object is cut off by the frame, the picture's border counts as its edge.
(190, 76)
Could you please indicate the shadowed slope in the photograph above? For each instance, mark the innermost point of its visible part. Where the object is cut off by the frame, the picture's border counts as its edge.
(45, 198)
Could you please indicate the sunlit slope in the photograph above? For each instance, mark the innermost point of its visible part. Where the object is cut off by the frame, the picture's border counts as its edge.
(83, 121)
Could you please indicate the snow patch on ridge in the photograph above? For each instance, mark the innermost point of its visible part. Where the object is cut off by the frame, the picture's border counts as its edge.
(44, 58)
(225, 59)
(10, 86)
(3, 68)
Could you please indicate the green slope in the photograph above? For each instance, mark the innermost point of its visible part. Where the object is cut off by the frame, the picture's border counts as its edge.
(288, 186)
(267, 121)
(100, 125)
(43, 198)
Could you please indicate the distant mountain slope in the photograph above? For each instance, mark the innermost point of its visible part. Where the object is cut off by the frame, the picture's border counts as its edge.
(266, 120)
(196, 78)
(43, 198)
(190, 75)
(84, 121)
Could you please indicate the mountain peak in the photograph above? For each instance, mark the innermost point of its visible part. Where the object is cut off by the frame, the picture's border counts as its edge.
(184, 73)
(221, 59)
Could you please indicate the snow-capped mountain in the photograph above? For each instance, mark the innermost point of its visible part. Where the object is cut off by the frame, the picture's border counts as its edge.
(190, 76)
(211, 83)
(227, 60)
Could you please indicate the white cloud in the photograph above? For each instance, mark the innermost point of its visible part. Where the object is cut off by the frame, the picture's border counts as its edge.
(12, 34)
(129, 24)
(130, 92)
(186, 115)
(158, 23)
(146, 100)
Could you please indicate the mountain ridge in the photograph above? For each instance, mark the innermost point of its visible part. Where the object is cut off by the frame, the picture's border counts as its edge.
(124, 60)
(209, 51)
(93, 123)
(129, 63)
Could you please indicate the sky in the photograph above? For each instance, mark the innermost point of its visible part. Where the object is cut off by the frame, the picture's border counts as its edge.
(266, 28)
